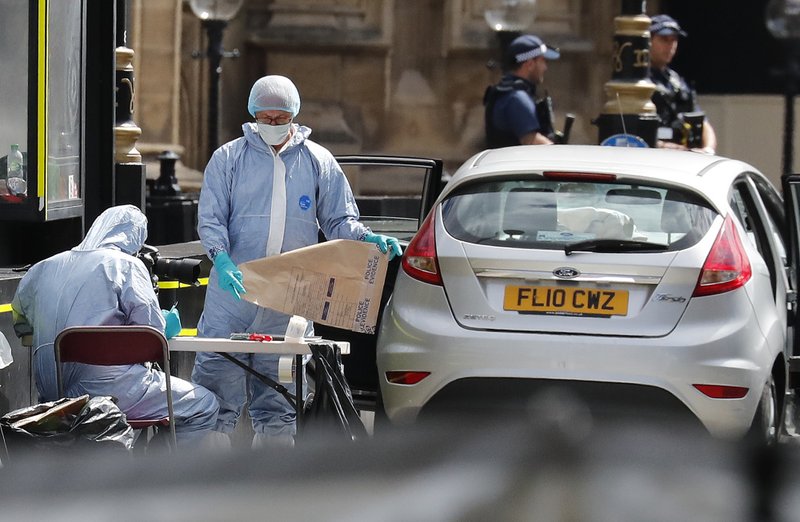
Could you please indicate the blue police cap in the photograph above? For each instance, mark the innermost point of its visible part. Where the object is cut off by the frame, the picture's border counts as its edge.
(664, 25)
(527, 47)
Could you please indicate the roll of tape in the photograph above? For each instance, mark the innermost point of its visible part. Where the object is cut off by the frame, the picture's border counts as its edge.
(286, 368)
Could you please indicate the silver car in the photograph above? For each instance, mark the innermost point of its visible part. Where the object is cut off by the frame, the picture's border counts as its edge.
(641, 279)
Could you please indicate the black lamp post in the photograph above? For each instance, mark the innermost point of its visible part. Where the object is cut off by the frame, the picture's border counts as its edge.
(783, 22)
(215, 15)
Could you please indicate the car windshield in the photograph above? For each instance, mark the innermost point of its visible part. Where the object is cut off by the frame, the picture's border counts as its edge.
(563, 215)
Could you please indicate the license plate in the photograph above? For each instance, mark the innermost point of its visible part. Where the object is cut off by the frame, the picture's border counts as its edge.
(566, 300)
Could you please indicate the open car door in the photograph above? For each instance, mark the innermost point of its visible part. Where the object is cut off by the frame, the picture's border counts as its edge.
(791, 200)
(394, 194)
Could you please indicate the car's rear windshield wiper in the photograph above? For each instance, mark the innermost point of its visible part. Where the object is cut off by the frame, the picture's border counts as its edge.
(613, 245)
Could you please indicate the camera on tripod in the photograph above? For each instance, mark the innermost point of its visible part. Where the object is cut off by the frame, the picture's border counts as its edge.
(183, 270)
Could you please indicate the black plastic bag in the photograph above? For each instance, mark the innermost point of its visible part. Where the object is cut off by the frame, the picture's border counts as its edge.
(67, 423)
(332, 403)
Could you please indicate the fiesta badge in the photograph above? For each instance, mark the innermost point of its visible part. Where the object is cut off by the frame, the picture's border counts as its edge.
(566, 272)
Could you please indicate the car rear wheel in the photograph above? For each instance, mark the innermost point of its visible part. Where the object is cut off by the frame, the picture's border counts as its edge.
(764, 429)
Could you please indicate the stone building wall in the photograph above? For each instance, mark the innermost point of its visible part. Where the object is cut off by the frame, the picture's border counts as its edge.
(375, 76)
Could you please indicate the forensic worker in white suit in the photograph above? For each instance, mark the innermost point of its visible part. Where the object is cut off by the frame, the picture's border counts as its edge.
(270, 191)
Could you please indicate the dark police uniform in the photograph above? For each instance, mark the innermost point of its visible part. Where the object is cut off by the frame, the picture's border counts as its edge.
(682, 120)
(511, 112)
(672, 98)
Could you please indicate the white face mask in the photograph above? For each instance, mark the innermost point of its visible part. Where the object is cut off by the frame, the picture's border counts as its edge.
(274, 134)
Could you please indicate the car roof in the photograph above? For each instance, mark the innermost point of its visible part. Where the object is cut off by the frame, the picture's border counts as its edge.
(707, 174)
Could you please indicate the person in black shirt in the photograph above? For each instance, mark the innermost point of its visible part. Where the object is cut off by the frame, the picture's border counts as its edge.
(681, 117)
(511, 116)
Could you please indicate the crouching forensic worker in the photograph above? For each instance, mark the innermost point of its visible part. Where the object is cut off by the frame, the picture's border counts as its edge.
(102, 282)
(270, 191)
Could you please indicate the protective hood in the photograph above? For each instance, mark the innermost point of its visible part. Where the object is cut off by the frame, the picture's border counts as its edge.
(123, 227)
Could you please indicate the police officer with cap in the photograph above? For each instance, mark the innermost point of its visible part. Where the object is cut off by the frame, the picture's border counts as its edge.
(511, 116)
(683, 124)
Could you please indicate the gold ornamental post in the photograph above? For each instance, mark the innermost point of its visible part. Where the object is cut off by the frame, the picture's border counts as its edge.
(629, 117)
(129, 171)
(126, 132)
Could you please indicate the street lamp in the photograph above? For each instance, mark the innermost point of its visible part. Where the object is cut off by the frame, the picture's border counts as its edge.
(215, 15)
(508, 18)
(783, 22)
(511, 15)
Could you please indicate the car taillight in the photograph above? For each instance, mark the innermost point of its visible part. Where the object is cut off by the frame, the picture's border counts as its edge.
(419, 260)
(727, 266)
(719, 391)
(407, 377)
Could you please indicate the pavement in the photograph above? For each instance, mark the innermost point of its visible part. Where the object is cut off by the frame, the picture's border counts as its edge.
(521, 468)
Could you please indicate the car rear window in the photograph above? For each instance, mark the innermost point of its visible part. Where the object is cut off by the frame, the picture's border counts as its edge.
(548, 214)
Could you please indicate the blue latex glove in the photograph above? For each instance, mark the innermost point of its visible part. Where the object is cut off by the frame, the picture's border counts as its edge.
(173, 319)
(228, 275)
(385, 243)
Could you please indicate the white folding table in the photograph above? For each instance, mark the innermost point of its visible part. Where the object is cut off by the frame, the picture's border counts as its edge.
(292, 350)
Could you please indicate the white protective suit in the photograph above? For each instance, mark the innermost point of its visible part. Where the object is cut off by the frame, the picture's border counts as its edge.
(235, 214)
(101, 282)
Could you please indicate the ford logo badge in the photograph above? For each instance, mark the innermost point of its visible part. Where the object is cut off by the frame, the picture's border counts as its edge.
(566, 272)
